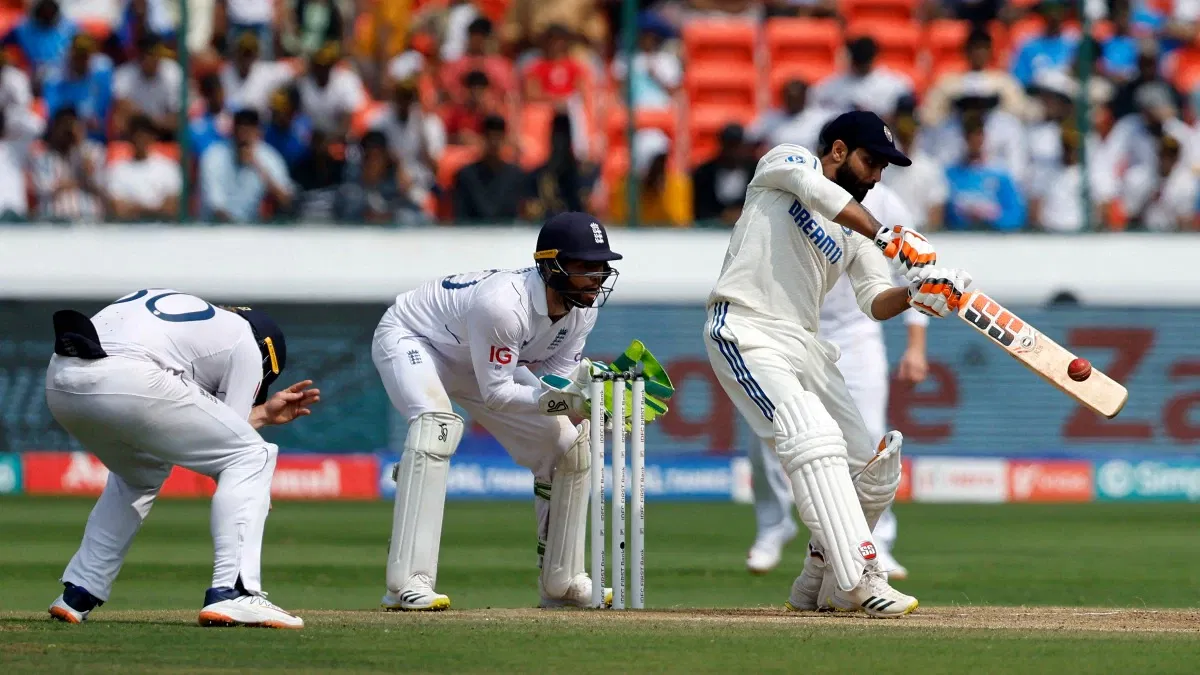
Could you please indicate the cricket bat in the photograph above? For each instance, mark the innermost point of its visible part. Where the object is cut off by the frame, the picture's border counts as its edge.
(1044, 356)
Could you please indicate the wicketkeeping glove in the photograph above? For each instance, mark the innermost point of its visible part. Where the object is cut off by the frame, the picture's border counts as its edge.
(936, 291)
(569, 395)
(906, 249)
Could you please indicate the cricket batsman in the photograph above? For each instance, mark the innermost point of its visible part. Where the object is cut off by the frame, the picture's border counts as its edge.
(863, 365)
(786, 252)
(475, 340)
(160, 379)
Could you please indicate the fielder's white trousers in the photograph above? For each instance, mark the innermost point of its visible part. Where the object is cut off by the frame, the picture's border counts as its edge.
(141, 420)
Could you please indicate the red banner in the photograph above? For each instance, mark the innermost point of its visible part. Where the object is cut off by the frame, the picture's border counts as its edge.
(904, 492)
(1050, 481)
(296, 477)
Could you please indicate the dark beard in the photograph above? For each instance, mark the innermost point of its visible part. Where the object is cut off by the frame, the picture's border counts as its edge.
(850, 183)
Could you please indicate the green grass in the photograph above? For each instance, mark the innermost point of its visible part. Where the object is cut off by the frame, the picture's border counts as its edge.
(325, 560)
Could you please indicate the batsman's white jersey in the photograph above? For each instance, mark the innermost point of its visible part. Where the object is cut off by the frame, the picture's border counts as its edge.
(176, 388)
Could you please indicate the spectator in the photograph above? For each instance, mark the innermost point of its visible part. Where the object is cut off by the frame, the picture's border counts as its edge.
(85, 84)
(821, 9)
(249, 81)
(382, 33)
(1119, 53)
(977, 12)
(555, 75)
(527, 20)
(982, 196)
(479, 55)
(1124, 101)
(380, 191)
(864, 82)
(15, 91)
(464, 121)
(249, 17)
(416, 62)
(664, 195)
(1056, 93)
(68, 172)
(922, 186)
(1005, 145)
(237, 177)
(1134, 139)
(657, 72)
(980, 57)
(719, 185)
(1087, 57)
(415, 137)
(289, 130)
(1162, 197)
(141, 19)
(563, 183)
(43, 38)
(146, 187)
(149, 86)
(490, 190)
(214, 123)
(1058, 207)
(311, 24)
(14, 149)
(318, 176)
(456, 20)
(1052, 49)
(796, 122)
(329, 95)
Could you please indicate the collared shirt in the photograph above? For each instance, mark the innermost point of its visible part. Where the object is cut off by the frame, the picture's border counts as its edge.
(493, 328)
(48, 169)
(237, 189)
(154, 96)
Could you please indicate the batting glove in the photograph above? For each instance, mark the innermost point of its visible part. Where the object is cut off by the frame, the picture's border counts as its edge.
(936, 291)
(906, 249)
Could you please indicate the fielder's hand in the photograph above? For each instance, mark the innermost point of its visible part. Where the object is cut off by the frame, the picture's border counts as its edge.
(936, 290)
(907, 250)
(286, 405)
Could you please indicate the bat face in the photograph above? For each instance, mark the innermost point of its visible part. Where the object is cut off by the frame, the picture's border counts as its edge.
(1040, 354)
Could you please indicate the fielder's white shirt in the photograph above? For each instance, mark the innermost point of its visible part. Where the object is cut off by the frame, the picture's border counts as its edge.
(493, 326)
(786, 252)
(189, 337)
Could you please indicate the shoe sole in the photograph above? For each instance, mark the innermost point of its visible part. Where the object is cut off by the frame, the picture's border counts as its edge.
(218, 620)
(63, 615)
(436, 606)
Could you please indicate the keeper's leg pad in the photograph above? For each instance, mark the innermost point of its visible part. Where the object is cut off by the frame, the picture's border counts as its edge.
(564, 557)
(878, 482)
(421, 478)
(813, 452)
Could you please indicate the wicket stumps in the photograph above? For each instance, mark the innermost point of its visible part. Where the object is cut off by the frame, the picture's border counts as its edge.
(637, 461)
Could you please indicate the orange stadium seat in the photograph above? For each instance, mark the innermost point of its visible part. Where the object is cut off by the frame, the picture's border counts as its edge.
(945, 39)
(899, 43)
(454, 158)
(813, 42)
(493, 9)
(732, 84)
(666, 119)
(1023, 29)
(9, 18)
(97, 28)
(119, 151)
(706, 122)
(1186, 68)
(885, 10)
(724, 41)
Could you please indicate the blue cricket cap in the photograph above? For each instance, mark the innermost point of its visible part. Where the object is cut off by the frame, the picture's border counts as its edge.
(574, 236)
(864, 129)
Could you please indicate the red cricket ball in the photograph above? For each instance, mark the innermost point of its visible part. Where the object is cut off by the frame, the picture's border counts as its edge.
(1079, 370)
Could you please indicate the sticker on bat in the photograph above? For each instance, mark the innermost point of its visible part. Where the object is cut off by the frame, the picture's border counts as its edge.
(1000, 324)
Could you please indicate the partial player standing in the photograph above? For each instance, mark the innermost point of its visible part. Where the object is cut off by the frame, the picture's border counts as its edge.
(476, 340)
(161, 379)
(785, 253)
(863, 365)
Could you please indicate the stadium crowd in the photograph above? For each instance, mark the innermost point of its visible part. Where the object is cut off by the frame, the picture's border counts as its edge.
(410, 112)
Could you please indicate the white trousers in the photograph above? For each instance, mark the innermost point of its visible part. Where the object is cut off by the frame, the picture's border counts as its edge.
(141, 420)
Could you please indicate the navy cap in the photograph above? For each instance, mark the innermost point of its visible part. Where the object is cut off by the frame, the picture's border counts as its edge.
(574, 236)
(864, 129)
(271, 345)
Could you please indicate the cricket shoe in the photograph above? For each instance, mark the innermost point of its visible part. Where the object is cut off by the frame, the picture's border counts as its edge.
(579, 594)
(767, 550)
(872, 595)
(233, 607)
(895, 571)
(806, 588)
(416, 596)
(74, 605)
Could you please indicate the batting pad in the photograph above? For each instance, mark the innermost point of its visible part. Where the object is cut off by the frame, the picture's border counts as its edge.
(878, 482)
(421, 497)
(564, 557)
(813, 452)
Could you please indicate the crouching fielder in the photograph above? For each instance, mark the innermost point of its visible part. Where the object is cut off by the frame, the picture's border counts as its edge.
(161, 379)
(474, 340)
(787, 250)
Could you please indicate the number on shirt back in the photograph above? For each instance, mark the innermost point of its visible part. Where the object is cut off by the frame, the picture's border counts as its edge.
(152, 304)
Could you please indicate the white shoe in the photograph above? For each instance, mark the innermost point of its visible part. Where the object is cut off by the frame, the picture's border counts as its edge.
(416, 596)
(894, 570)
(248, 610)
(579, 594)
(767, 550)
(67, 614)
(807, 587)
(872, 595)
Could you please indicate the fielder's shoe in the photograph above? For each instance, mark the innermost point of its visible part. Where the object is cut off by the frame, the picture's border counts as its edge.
(895, 571)
(767, 550)
(872, 595)
(74, 605)
(807, 587)
(579, 594)
(416, 596)
(232, 607)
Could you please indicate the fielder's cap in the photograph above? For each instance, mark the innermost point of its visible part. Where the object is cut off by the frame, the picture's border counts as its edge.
(271, 344)
(574, 236)
(864, 129)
